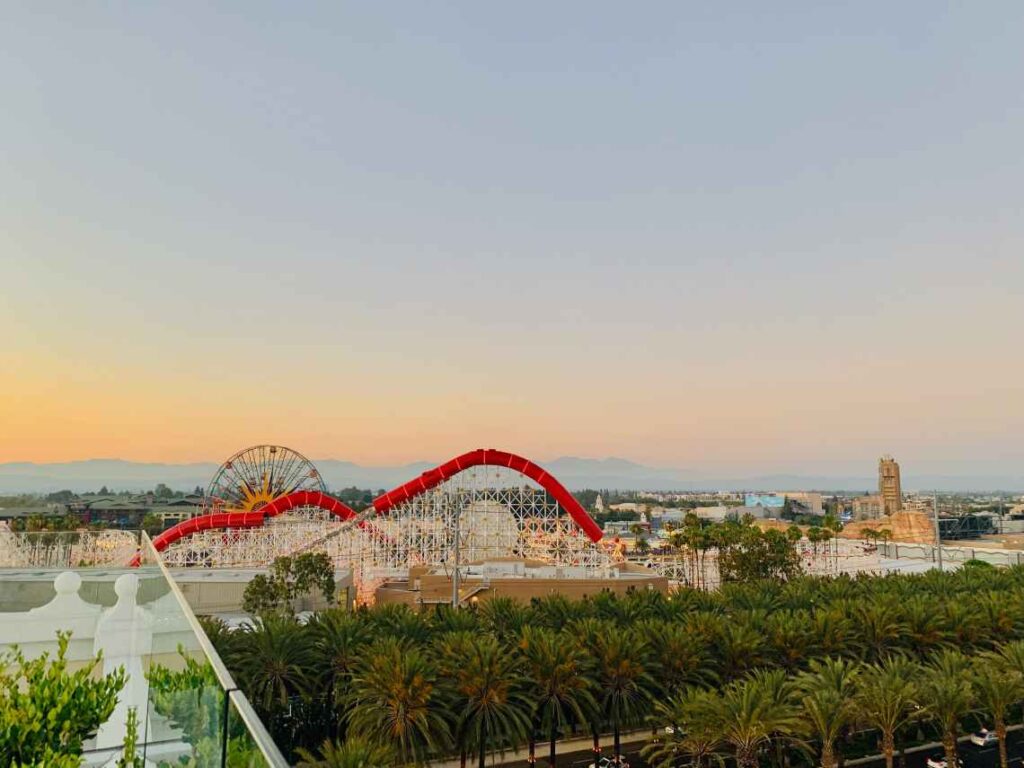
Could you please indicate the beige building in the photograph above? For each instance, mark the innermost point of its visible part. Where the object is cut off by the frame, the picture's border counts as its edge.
(811, 501)
(520, 579)
(867, 507)
(889, 485)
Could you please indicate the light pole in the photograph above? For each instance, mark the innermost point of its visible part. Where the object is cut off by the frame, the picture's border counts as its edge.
(455, 572)
(938, 529)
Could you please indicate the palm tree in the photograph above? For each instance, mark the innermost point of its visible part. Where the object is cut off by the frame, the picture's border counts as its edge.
(881, 627)
(394, 700)
(753, 712)
(814, 536)
(948, 690)
(353, 753)
(555, 611)
(274, 658)
(791, 637)
(997, 689)
(1003, 618)
(504, 616)
(224, 639)
(692, 730)
(1011, 656)
(561, 684)
(339, 638)
(887, 699)
(450, 652)
(832, 629)
(642, 546)
(927, 631)
(827, 699)
(489, 695)
(446, 618)
(679, 656)
(400, 622)
(965, 623)
(623, 677)
(739, 647)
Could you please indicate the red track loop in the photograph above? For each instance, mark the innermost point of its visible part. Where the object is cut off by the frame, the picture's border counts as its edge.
(429, 479)
(490, 457)
(203, 523)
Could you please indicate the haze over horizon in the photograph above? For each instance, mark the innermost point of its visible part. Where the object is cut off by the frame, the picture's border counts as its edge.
(744, 240)
(575, 472)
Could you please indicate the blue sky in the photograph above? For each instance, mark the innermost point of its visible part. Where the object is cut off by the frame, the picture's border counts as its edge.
(739, 237)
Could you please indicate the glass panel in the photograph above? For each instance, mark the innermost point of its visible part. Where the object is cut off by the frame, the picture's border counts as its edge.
(245, 749)
(81, 583)
(217, 716)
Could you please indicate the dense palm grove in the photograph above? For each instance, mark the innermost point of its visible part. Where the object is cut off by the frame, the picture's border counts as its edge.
(810, 670)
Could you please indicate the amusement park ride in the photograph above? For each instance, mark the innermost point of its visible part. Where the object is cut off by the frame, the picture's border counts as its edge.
(268, 501)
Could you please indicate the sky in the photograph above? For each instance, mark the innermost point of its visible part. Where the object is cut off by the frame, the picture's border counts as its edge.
(726, 237)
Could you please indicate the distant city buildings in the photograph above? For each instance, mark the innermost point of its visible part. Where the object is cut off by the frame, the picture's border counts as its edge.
(113, 510)
(800, 502)
(767, 500)
(806, 502)
(889, 485)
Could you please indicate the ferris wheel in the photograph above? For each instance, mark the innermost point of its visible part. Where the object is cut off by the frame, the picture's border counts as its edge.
(256, 476)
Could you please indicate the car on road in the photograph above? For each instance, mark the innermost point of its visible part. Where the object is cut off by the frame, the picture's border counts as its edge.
(984, 738)
(939, 761)
(609, 762)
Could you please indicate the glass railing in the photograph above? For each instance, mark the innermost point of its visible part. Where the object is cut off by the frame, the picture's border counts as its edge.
(189, 712)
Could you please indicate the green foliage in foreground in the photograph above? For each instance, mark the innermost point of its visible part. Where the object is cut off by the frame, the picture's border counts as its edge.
(46, 712)
(801, 664)
(129, 754)
(354, 753)
(192, 699)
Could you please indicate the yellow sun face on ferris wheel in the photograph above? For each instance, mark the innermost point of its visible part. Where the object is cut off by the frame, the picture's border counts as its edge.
(253, 478)
(255, 498)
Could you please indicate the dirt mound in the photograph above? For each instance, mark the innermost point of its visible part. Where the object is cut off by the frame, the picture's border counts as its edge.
(916, 527)
(778, 525)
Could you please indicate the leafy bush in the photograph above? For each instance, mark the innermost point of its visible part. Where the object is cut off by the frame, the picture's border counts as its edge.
(46, 712)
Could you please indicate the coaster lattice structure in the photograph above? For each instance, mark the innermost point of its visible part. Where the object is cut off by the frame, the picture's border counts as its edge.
(65, 549)
(501, 512)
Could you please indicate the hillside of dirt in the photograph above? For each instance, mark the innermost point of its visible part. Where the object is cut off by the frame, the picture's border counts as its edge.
(916, 527)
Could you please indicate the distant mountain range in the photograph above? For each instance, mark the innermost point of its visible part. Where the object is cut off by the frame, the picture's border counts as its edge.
(576, 473)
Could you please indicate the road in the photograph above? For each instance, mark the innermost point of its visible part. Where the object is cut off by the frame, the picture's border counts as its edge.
(972, 756)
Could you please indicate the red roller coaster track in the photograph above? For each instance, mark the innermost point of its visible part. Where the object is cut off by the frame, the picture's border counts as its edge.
(382, 504)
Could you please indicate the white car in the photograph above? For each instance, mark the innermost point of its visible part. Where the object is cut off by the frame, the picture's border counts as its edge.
(939, 761)
(608, 762)
(984, 738)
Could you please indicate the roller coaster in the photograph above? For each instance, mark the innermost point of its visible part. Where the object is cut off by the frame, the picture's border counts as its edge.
(268, 501)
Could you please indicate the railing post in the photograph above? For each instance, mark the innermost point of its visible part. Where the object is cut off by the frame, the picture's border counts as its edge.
(224, 728)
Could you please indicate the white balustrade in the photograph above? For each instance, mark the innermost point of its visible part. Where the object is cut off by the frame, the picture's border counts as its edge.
(129, 635)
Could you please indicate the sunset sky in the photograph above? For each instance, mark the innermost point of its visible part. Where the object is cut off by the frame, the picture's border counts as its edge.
(768, 237)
